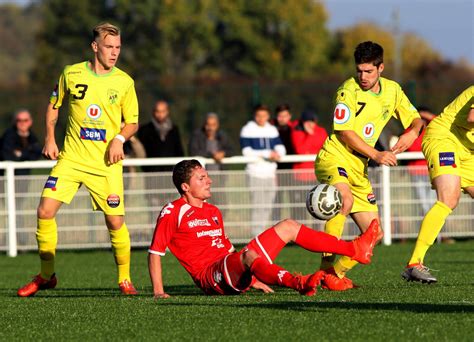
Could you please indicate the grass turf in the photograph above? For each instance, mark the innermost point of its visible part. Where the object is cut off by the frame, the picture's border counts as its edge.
(86, 304)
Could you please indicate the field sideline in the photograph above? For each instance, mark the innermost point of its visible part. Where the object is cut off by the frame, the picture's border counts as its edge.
(86, 305)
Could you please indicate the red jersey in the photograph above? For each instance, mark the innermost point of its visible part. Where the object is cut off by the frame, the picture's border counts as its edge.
(194, 235)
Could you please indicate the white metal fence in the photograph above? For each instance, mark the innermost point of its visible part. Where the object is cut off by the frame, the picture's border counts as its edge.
(401, 207)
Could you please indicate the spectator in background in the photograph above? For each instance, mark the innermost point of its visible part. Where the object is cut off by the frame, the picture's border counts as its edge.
(19, 142)
(307, 138)
(160, 138)
(284, 125)
(258, 138)
(211, 142)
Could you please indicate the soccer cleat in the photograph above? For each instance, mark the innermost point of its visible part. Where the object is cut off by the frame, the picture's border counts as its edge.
(334, 283)
(307, 284)
(418, 272)
(127, 288)
(37, 284)
(364, 244)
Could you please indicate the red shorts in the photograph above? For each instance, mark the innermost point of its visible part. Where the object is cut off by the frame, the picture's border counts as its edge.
(226, 276)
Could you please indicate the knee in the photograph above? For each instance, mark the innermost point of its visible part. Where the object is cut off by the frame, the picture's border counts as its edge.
(451, 201)
(287, 229)
(248, 257)
(114, 222)
(44, 212)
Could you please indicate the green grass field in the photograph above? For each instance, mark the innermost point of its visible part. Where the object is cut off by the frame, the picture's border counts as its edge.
(86, 304)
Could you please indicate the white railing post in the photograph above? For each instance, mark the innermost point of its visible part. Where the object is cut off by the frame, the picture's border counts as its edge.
(387, 212)
(11, 209)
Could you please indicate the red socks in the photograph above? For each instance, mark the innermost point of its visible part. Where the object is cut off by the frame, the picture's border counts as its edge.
(272, 274)
(315, 241)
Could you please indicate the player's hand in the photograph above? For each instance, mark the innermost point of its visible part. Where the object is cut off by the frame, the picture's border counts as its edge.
(161, 295)
(274, 156)
(115, 151)
(50, 150)
(386, 158)
(404, 142)
(258, 285)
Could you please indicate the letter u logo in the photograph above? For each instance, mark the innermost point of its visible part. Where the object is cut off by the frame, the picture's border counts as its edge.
(368, 131)
(339, 113)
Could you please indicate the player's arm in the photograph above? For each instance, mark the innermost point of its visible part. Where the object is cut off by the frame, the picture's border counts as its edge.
(115, 151)
(50, 149)
(352, 140)
(470, 116)
(407, 138)
(154, 268)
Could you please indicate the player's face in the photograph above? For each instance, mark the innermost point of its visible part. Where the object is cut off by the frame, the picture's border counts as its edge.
(199, 186)
(107, 50)
(368, 76)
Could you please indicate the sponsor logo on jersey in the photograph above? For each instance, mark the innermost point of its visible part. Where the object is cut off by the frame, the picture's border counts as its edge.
(113, 200)
(369, 130)
(215, 219)
(112, 94)
(51, 183)
(342, 172)
(166, 210)
(94, 134)
(217, 242)
(198, 223)
(371, 198)
(341, 113)
(447, 159)
(94, 112)
(212, 233)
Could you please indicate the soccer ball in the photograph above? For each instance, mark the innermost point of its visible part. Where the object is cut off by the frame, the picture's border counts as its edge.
(323, 201)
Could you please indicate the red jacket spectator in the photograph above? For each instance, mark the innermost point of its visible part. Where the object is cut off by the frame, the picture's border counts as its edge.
(307, 138)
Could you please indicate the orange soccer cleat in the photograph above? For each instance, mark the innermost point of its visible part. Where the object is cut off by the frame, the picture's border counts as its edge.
(365, 243)
(334, 283)
(307, 284)
(38, 283)
(127, 288)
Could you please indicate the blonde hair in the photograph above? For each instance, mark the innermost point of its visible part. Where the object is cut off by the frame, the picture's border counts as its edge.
(104, 29)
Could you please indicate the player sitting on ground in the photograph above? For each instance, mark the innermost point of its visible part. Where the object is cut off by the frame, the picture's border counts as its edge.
(193, 230)
(448, 146)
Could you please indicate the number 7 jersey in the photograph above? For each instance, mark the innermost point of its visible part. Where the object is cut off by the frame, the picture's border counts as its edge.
(97, 105)
(366, 113)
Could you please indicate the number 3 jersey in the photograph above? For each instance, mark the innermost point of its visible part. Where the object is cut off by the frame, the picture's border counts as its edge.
(366, 113)
(194, 235)
(97, 105)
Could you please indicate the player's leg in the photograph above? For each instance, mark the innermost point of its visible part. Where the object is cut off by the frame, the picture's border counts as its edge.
(363, 221)
(335, 226)
(107, 196)
(60, 187)
(446, 173)
(272, 274)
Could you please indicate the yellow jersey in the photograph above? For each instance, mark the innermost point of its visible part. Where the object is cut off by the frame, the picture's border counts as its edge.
(453, 120)
(366, 113)
(97, 106)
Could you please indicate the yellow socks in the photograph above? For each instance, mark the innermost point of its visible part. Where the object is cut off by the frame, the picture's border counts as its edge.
(334, 227)
(343, 265)
(120, 240)
(47, 238)
(430, 228)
